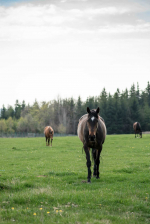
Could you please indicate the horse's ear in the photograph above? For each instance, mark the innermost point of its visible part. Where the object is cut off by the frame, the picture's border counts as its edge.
(88, 110)
(98, 110)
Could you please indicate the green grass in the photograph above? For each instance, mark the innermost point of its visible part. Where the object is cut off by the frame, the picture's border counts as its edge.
(40, 184)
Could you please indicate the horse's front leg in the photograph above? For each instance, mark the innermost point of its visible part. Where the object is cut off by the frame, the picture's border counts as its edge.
(51, 141)
(94, 157)
(87, 151)
(46, 141)
(98, 162)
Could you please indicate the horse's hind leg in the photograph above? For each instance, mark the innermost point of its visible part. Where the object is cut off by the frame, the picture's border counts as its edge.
(94, 157)
(87, 151)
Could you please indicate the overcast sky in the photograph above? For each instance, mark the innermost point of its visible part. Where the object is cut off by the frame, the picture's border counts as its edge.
(67, 48)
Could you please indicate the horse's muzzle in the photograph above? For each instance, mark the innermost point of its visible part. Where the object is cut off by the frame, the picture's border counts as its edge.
(92, 138)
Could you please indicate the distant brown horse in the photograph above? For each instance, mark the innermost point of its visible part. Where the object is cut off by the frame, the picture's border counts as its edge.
(137, 129)
(49, 132)
(92, 133)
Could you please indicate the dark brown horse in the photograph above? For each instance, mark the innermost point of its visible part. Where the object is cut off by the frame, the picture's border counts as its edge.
(137, 129)
(49, 132)
(92, 132)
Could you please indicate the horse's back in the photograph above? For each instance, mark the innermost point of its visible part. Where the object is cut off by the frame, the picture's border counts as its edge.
(103, 127)
(134, 126)
(81, 126)
(46, 129)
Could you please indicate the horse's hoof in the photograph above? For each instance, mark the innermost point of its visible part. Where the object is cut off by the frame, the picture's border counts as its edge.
(97, 177)
(89, 181)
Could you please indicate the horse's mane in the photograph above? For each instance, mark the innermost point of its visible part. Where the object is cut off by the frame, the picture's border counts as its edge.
(49, 128)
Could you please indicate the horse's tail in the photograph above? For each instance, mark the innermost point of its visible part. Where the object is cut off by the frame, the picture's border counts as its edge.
(138, 127)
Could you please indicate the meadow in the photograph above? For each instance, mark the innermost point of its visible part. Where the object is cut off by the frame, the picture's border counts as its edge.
(40, 184)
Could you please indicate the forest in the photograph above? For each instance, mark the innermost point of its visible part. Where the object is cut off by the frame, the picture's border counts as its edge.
(119, 111)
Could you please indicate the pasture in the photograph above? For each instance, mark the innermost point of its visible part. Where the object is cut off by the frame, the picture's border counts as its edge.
(40, 184)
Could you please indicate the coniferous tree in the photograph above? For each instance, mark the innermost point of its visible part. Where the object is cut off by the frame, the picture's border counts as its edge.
(117, 118)
(17, 109)
(148, 93)
(110, 121)
(103, 104)
(3, 113)
(137, 92)
(119, 111)
(78, 111)
(10, 112)
(124, 113)
(90, 102)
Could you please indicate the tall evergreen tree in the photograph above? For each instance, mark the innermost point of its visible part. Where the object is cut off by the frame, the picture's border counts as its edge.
(110, 121)
(132, 90)
(17, 109)
(3, 113)
(10, 112)
(103, 104)
(148, 93)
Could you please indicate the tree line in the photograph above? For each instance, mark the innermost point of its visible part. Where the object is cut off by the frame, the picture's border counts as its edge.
(119, 111)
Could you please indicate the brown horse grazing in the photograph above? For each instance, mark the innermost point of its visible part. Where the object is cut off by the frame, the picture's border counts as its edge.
(137, 129)
(92, 132)
(49, 132)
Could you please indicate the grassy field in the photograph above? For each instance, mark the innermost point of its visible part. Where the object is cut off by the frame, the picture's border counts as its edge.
(40, 184)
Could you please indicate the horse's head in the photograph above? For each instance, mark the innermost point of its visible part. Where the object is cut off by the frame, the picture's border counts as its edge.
(51, 133)
(92, 123)
(141, 134)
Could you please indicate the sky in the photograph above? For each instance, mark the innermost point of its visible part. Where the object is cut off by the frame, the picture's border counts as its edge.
(72, 48)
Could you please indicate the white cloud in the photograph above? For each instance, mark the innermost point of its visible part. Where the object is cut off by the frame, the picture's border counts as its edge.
(47, 46)
(107, 11)
(47, 21)
(125, 28)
